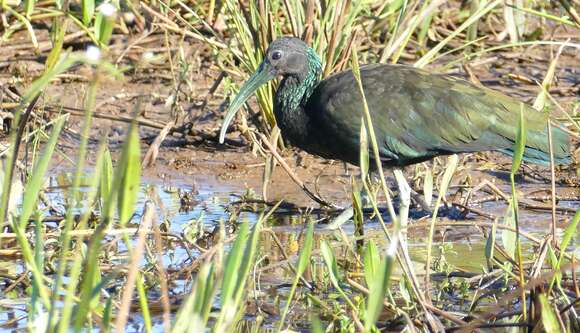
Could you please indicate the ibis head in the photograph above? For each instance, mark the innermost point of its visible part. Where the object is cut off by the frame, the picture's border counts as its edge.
(286, 57)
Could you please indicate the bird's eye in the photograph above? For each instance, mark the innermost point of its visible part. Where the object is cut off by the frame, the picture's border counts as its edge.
(276, 55)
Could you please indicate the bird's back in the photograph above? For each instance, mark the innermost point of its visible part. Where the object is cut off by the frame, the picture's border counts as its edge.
(418, 115)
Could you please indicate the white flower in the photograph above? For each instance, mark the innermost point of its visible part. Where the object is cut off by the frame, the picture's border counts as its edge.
(107, 9)
(148, 56)
(93, 53)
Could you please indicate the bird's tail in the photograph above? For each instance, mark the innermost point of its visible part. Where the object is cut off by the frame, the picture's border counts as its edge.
(538, 147)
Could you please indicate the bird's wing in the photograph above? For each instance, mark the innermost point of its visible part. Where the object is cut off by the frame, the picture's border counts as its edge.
(417, 115)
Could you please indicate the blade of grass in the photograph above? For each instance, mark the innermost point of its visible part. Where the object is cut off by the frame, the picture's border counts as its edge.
(88, 11)
(547, 16)
(127, 296)
(104, 23)
(74, 275)
(330, 261)
(403, 259)
(549, 320)
(104, 223)
(193, 315)
(427, 10)
(16, 134)
(34, 185)
(368, 123)
(371, 261)
(74, 198)
(28, 8)
(479, 53)
(303, 262)
(569, 233)
(508, 238)
(235, 276)
(26, 23)
(428, 186)
(58, 32)
(130, 182)
(445, 181)
(379, 286)
(428, 57)
(31, 193)
(519, 147)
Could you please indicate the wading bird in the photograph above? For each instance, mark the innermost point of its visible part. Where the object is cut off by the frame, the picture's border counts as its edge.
(416, 115)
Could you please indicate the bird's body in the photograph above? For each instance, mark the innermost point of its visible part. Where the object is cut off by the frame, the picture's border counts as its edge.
(416, 115)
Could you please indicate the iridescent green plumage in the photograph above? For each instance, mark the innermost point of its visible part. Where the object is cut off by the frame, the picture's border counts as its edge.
(416, 115)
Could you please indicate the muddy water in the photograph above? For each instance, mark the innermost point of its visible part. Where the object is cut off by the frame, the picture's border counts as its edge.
(195, 212)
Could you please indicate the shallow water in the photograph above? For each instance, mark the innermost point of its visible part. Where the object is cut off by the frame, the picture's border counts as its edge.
(197, 212)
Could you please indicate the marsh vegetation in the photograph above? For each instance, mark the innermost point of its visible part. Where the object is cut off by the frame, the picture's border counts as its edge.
(120, 211)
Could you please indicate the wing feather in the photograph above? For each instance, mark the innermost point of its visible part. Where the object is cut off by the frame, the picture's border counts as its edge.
(417, 115)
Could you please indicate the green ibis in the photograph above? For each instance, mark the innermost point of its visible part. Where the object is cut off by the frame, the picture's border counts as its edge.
(416, 115)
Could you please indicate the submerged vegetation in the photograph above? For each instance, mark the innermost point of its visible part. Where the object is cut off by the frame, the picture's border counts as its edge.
(86, 244)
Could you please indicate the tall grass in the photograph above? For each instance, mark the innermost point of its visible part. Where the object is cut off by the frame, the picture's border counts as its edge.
(72, 298)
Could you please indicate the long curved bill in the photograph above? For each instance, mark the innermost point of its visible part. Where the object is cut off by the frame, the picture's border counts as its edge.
(260, 77)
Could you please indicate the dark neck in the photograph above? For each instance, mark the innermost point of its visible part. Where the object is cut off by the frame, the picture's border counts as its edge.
(291, 97)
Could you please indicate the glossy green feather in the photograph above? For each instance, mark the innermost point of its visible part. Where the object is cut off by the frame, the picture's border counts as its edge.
(418, 115)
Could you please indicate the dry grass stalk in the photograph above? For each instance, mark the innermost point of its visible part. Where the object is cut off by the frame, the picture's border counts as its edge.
(127, 296)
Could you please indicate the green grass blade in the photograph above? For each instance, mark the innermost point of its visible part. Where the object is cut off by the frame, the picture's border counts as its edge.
(107, 315)
(379, 286)
(203, 303)
(106, 176)
(303, 262)
(304, 259)
(105, 221)
(358, 215)
(131, 179)
(143, 303)
(34, 185)
(104, 23)
(371, 134)
(428, 186)
(75, 201)
(316, 325)
(550, 320)
(36, 308)
(232, 268)
(88, 11)
(235, 282)
(193, 315)
(452, 162)
(520, 144)
(248, 260)
(519, 147)
(25, 22)
(74, 275)
(547, 16)
(330, 261)
(57, 37)
(28, 8)
(37, 86)
(31, 193)
(371, 261)
(428, 57)
(490, 245)
(570, 232)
